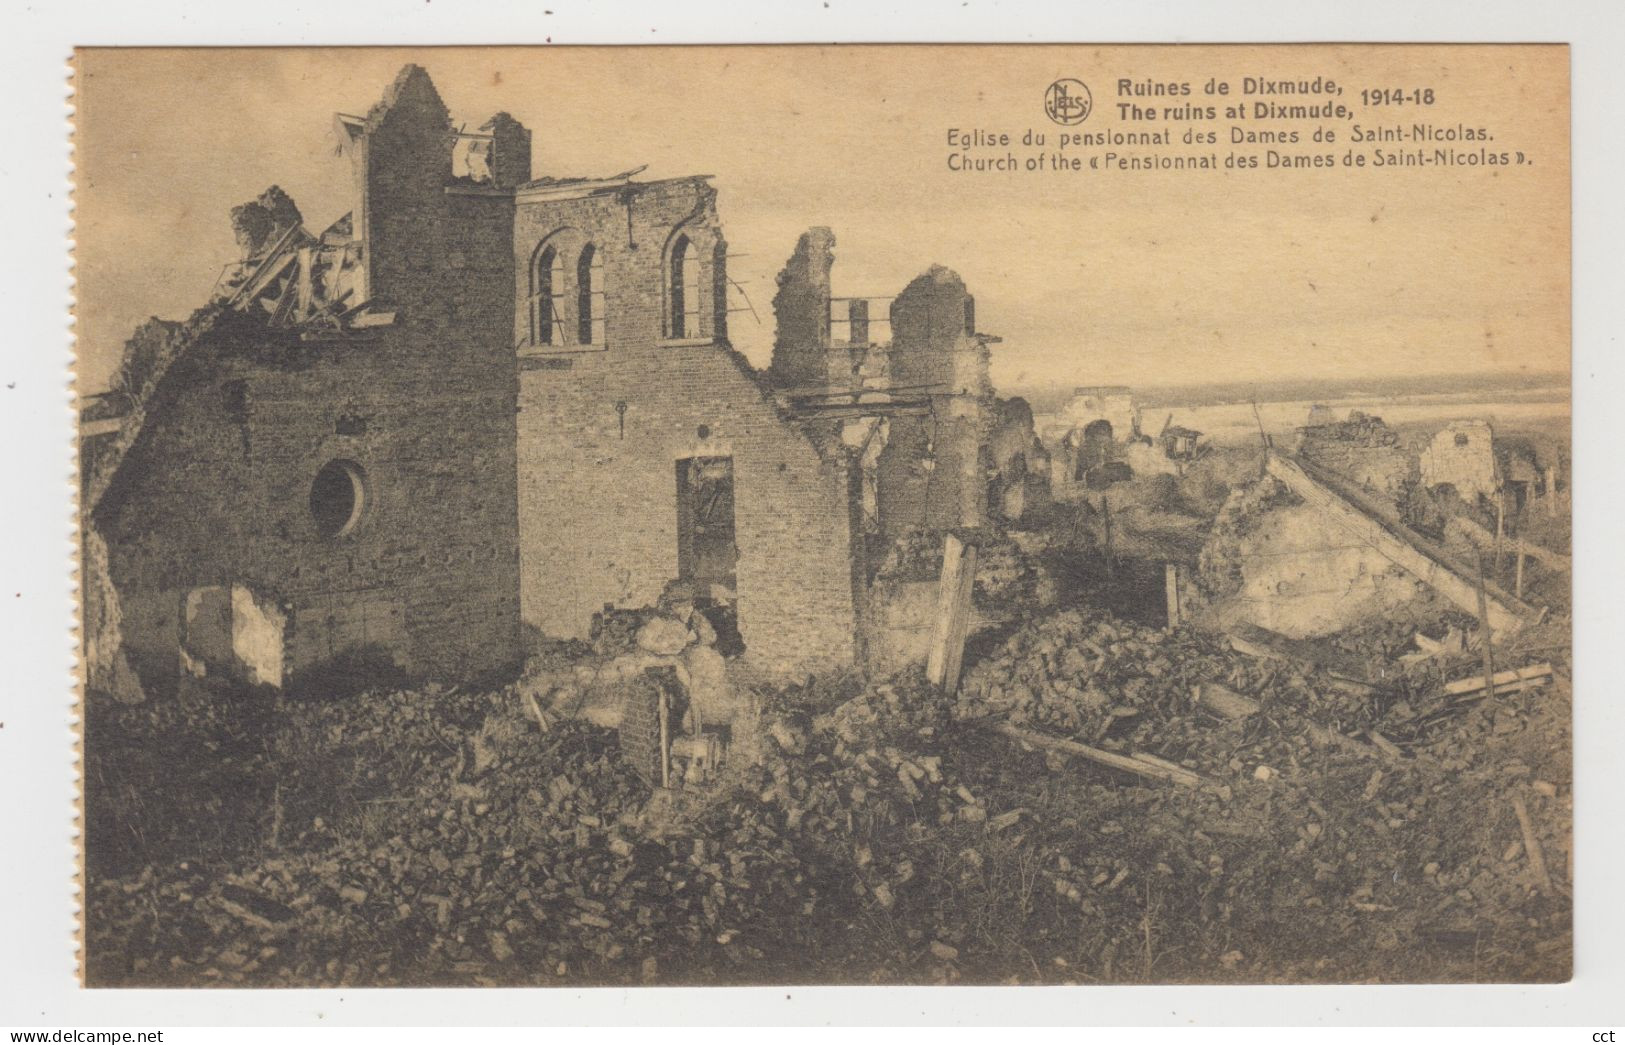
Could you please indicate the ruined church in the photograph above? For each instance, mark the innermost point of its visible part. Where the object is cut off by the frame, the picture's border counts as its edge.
(484, 406)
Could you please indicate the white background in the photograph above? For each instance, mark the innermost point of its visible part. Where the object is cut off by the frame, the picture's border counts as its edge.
(37, 910)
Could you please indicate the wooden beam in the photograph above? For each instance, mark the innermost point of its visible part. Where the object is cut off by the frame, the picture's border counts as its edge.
(1146, 766)
(1106, 534)
(954, 587)
(87, 429)
(1170, 592)
(663, 710)
(284, 304)
(1223, 701)
(363, 320)
(304, 284)
(272, 266)
(1486, 634)
(825, 392)
(1500, 526)
(1383, 744)
(262, 280)
(1535, 673)
(853, 411)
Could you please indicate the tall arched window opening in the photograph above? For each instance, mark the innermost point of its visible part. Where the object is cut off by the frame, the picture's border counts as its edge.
(547, 299)
(685, 289)
(590, 319)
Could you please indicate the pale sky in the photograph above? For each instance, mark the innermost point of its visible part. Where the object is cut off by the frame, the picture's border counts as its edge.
(1091, 278)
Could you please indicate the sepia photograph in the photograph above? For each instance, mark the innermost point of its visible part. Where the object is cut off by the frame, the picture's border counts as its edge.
(829, 515)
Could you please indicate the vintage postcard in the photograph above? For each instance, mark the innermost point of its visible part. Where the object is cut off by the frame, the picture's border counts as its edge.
(825, 515)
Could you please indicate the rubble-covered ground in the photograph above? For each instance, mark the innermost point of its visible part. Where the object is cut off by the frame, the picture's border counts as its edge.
(878, 832)
(888, 834)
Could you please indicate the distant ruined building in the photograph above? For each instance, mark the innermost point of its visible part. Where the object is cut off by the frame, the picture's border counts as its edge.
(482, 403)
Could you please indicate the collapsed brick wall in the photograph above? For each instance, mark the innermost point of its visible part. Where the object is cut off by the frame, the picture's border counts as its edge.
(221, 494)
(1115, 406)
(1362, 450)
(1462, 455)
(801, 340)
(933, 472)
(1020, 479)
(1274, 561)
(602, 427)
(216, 488)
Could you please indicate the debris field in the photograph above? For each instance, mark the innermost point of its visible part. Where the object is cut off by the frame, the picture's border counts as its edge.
(1275, 823)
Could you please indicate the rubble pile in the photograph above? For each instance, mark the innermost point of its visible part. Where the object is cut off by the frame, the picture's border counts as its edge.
(455, 843)
(879, 834)
(1416, 821)
(588, 680)
(1090, 677)
(447, 838)
(1008, 574)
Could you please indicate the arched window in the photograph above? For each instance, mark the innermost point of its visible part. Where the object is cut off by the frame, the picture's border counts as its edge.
(590, 328)
(685, 289)
(547, 299)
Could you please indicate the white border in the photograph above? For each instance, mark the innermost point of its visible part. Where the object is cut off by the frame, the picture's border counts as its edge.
(36, 853)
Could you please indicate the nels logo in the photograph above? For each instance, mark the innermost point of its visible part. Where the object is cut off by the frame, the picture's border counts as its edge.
(1068, 101)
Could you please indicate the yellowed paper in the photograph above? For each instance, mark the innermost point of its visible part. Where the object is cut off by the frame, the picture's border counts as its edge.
(862, 514)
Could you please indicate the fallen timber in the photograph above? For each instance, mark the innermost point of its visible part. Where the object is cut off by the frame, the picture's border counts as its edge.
(1353, 512)
(1144, 765)
(1504, 681)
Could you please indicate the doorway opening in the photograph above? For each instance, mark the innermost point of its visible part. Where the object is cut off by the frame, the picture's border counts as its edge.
(707, 553)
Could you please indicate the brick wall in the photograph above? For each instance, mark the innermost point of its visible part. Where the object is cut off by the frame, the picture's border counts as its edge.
(473, 520)
(598, 485)
(216, 488)
(934, 470)
(1363, 451)
(801, 340)
(1463, 455)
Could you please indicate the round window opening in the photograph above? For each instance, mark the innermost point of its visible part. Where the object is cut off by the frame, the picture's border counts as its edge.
(337, 498)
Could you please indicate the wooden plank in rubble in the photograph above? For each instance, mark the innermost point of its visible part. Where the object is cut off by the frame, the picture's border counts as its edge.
(957, 579)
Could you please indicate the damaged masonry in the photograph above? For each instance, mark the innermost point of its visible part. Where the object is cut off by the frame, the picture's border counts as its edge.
(426, 413)
(520, 630)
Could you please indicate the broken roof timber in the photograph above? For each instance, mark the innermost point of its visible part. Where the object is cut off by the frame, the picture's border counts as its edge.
(576, 188)
(270, 266)
(1398, 544)
(826, 392)
(854, 411)
(348, 128)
